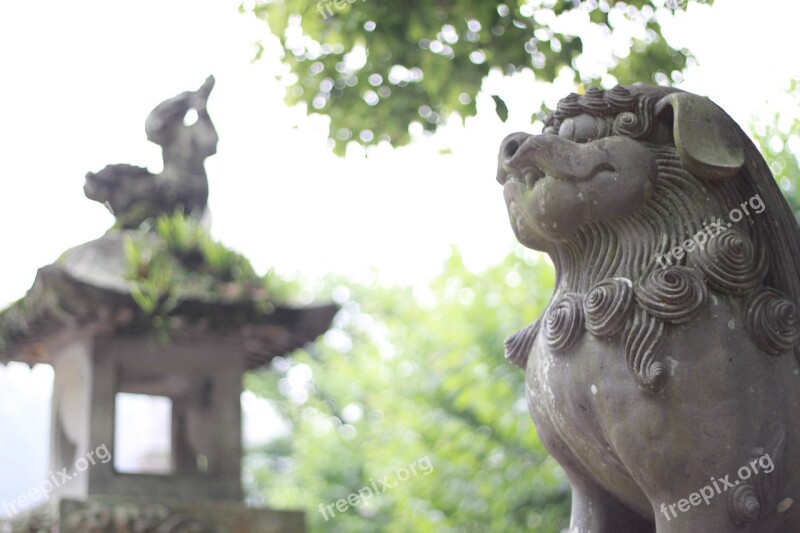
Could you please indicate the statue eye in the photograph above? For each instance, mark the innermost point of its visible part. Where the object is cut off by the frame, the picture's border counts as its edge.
(584, 128)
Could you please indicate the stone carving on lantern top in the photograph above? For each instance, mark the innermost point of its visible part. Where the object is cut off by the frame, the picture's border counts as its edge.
(667, 357)
(134, 194)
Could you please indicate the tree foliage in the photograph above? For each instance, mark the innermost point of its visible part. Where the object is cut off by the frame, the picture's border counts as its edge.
(407, 374)
(375, 67)
(778, 138)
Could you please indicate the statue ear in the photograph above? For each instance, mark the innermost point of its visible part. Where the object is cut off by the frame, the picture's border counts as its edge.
(707, 139)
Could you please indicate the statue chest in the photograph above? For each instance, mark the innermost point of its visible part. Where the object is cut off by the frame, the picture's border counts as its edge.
(595, 414)
(580, 402)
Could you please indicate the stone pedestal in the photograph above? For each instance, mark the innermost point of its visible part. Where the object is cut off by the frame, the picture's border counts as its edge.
(110, 514)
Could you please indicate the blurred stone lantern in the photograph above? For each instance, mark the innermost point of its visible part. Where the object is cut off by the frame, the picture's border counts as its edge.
(154, 312)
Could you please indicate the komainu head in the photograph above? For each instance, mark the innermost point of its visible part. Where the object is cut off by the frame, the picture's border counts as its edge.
(598, 158)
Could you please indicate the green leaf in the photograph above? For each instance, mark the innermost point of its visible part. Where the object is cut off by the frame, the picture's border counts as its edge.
(500, 107)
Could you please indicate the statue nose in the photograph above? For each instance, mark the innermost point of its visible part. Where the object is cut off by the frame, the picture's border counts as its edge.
(508, 149)
(512, 143)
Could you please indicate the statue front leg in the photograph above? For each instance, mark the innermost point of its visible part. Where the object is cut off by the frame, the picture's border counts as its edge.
(595, 510)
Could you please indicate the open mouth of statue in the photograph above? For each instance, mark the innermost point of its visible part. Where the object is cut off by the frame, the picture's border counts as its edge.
(527, 177)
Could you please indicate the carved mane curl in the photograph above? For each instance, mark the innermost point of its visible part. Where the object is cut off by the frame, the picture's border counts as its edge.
(759, 253)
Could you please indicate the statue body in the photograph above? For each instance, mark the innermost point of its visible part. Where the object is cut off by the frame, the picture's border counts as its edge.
(663, 375)
(134, 194)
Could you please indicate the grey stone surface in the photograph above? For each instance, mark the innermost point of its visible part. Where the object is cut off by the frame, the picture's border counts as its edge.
(89, 289)
(108, 514)
(667, 358)
(203, 378)
(111, 515)
(134, 194)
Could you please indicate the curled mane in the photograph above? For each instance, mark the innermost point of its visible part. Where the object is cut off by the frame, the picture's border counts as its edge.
(756, 258)
(680, 206)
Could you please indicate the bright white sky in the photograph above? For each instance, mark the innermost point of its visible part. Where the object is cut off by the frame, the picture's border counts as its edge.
(77, 80)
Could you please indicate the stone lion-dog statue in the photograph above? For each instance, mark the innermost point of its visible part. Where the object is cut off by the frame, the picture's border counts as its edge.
(663, 375)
